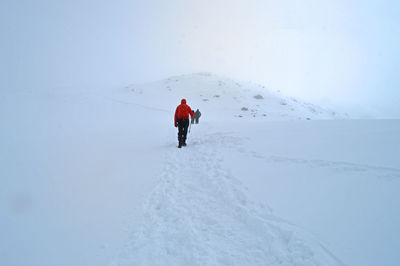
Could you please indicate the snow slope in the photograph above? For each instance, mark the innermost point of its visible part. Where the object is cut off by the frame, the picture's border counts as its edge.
(220, 95)
(200, 214)
(93, 177)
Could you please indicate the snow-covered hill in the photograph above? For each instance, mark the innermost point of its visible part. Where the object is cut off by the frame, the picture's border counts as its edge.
(218, 95)
(93, 177)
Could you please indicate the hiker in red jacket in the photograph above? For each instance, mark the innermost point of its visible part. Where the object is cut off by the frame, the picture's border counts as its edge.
(182, 121)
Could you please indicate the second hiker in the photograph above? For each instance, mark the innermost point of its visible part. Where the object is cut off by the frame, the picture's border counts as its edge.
(197, 115)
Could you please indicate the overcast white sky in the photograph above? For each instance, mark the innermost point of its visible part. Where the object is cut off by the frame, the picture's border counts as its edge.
(340, 52)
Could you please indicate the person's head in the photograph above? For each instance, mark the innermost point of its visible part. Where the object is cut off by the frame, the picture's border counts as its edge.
(197, 110)
(183, 101)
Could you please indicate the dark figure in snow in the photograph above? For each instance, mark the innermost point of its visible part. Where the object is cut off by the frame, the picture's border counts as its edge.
(197, 115)
(182, 121)
(192, 119)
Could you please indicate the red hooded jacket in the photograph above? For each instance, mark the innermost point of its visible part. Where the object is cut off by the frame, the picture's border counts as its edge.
(182, 111)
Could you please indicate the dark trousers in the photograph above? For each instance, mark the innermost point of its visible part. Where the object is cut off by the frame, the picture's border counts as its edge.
(183, 125)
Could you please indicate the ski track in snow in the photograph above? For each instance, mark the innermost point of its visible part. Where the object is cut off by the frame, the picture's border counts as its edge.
(199, 214)
(138, 104)
(387, 173)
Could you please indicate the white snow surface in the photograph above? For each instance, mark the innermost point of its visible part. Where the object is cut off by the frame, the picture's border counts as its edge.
(199, 214)
(93, 177)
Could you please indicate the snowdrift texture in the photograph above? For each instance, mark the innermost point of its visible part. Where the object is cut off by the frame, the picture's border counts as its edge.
(93, 177)
(199, 215)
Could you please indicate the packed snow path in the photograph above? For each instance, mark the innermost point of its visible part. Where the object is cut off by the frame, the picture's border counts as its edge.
(199, 214)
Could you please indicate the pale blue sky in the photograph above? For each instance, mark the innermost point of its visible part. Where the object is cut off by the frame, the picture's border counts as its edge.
(341, 52)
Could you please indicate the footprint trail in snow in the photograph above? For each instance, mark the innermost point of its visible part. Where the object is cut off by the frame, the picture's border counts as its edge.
(199, 214)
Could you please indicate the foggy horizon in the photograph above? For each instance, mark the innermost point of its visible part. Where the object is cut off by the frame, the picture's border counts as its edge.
(339, 53)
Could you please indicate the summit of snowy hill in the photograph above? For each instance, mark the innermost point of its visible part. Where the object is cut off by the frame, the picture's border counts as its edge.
(228, 97)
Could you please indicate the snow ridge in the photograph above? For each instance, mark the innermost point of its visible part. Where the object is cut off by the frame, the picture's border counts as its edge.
(235, 99)
(199, 214)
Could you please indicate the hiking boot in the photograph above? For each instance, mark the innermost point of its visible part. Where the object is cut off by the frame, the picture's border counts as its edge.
(184, 144)
(180, 146)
